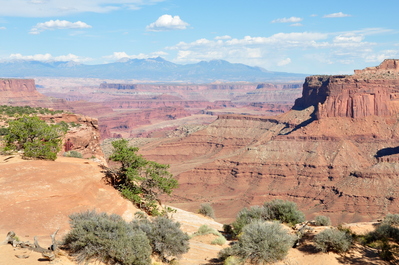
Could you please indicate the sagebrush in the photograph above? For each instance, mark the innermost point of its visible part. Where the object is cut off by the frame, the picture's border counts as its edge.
(322, 220)
(106, 238)
(334, 240)
(206, 210)
(280, 210)
(165, 236)
(261, 242)
(110, 239)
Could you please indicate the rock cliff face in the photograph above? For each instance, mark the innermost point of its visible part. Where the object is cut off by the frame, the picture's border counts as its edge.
(85, 136)
(373, 91)
(335, 153)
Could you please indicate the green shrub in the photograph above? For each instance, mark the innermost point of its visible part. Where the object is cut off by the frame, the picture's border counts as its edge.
(284, 211)
(106, 238)
(333, 240)
(383, 232)
(246, 216)
(322, 220)
(36, 138)
(3, 130)
(261, 242)
(206, 210)
(166, 237)
(391, 219)
(233, 261)
(220, 240)
(73, 153)
(205, 230)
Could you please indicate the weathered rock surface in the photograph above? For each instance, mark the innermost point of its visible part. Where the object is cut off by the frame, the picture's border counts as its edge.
(36, 197)
(325, 154)
(370, 92)
(85, 134)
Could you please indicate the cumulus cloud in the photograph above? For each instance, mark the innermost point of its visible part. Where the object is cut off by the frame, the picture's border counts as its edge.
(167, 22)
(225, 37)
(296, 25)
(2, 28)
(58, 24)
(287, 20)
(123, 55)
(47, 57)
(47, 8)
(339, 14)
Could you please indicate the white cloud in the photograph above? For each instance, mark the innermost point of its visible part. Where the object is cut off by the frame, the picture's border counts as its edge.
(339, 14)
(380, 56)
(225, 37)
(2, 28)
(287, 20)
(49, 58)
(284, 62)
(123, 55)
(58, 24)
(296, 25)
(167, 22)
(349, 37)
(261, 51)
(284, 50)
(47, 8)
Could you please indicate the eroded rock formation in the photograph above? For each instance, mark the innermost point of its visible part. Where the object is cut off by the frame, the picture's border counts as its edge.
(84, 133)
(373, 91)
(335, 153)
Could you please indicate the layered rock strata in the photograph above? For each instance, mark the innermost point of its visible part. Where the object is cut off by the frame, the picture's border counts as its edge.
(335, 153)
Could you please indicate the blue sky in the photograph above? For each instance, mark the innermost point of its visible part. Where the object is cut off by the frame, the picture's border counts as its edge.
(308, 36)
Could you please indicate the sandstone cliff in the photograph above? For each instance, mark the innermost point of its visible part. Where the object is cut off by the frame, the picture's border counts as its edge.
(334, 153)
(373, 91)
(85, 134)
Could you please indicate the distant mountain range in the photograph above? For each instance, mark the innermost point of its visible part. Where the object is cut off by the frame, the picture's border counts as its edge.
(152, 69)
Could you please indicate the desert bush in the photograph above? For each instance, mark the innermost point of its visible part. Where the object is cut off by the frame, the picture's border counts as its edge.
(284, 211)
(261, 242)
(246, 216)
(205, 230)
(220, 240)
(3, 131)
(206, 210)
(383, 232)
(233, 260)
(36, 138)
(391, 219)
(106, 238)
(166, 237)
(322, 220)
(333, 240)
(73, 153)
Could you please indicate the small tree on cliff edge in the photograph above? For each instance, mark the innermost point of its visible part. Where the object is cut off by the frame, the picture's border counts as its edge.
(139, 179)
(35, 137)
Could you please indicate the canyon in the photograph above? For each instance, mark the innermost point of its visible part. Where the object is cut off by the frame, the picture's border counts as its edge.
(334, 152)
(132, 110)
